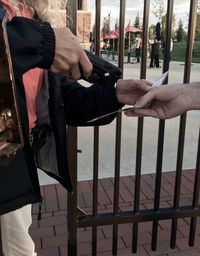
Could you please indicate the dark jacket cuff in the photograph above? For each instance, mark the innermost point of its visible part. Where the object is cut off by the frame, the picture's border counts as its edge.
(48, 46)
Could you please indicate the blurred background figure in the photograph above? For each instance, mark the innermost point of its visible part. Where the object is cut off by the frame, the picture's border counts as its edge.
(91, 42)
(155, 54)
(138, 46)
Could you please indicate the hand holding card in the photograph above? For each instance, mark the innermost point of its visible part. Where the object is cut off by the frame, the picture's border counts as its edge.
(159, 81)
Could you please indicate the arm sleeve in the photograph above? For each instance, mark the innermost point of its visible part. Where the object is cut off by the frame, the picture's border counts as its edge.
(85, 103)
(32, 44)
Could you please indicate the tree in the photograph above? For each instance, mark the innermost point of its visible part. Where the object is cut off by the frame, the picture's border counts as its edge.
(159, 9)
(197, 31)
(180, 33)
(137, 21)
(163, 26)
(106, 26)
(117, 25)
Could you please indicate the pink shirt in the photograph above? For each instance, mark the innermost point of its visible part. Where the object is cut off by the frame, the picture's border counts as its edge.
(32, 79)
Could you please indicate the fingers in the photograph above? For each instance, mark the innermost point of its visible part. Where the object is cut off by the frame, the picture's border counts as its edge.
(75, 72)
(146, 99)
(86, 65)
(141, 112)
(131, 84)
(145, 85)
(70, 57)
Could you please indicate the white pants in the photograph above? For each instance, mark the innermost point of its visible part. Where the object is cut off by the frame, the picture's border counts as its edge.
(16, 240)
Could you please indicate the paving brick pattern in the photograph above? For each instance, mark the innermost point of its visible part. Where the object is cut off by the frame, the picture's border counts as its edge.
(50, 234)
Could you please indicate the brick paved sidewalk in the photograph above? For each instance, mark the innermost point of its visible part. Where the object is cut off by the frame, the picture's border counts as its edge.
(50, 234)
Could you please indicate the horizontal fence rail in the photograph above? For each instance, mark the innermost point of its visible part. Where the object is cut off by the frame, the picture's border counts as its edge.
(76, 218)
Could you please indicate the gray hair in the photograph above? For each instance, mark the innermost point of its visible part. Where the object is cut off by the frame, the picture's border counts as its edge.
(46, 10)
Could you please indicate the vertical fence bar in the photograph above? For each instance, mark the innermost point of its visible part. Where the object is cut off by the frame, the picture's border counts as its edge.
(72, 197)
(96, 137)
(118, 132)
(72, 155)
(189, 49)
(146, 11)
(195, 201)
(166, 61)
(161, 133)
(121, 33)
(97, 24)
(137, 181)
(178, 178)
(140, 128)
(187, 72)
(95, 187)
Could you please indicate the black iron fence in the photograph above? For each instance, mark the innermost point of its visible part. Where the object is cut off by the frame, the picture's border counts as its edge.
(116, 217)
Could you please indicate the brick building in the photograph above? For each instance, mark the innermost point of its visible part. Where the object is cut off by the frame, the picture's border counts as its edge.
(83, 23)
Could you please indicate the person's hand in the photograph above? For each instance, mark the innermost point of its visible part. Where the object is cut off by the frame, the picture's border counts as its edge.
(70, 58)
(163, 102)
(129, 91)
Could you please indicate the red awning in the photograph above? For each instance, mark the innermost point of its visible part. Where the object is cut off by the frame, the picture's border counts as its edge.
(133, 29)
(112, 35)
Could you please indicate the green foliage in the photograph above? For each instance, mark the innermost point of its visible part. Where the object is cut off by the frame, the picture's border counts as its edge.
(179, 51)
(197, 31)
(152, 33)
(159, 9)
(137, 21)
(163, 26)
(106, 26)
(180, 33)
(160, 12)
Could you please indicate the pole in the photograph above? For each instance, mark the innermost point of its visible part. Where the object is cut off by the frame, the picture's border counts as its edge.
(129, 47)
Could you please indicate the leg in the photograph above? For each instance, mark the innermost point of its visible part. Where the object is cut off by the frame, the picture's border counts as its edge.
(138, 55)
(157, 61)
(151, 62)
(16, 240)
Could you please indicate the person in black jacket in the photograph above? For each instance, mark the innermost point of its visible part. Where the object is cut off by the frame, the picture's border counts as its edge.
(155, 54)
(33, 51)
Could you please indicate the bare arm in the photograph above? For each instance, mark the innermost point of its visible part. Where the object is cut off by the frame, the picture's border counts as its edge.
(168, 101)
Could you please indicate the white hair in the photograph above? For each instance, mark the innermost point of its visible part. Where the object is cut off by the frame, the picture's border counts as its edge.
(46, 10)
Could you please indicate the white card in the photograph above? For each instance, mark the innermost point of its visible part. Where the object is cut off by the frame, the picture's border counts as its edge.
(159, 81)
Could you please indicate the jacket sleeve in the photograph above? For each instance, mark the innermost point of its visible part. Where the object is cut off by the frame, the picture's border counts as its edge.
(32, 44)
(85, 103)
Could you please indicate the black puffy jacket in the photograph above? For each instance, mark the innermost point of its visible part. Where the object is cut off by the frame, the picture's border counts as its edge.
(32, 45)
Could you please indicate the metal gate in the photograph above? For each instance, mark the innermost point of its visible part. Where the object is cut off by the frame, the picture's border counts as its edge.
(136, 216)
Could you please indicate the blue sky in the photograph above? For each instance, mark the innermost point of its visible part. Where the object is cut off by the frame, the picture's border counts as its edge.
(181, 9)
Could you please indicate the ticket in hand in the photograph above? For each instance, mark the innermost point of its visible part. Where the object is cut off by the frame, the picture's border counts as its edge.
(160, 80)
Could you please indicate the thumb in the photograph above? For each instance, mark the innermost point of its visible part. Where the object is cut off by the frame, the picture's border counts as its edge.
(145, 100)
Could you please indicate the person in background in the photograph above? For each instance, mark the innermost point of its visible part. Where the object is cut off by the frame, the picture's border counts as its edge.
(48, 102)
(155, 54)
(138, 45)
(168, 101)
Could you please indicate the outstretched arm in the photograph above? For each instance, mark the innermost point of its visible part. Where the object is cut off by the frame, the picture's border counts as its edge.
(168, 101)
(83, 104)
